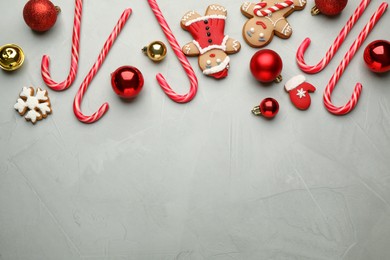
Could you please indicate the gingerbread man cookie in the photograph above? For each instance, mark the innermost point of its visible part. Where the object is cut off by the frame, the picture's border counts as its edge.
(268, 18)
(210, 42)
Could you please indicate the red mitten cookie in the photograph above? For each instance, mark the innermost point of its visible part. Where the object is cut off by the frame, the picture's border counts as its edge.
(210, 42)
(268, 18)
(299, 91)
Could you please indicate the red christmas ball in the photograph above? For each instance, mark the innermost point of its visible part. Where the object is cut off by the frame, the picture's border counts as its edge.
(329, 7)
(127, 81)
(269, 107)
(377, 56)
(266, 65)
(40, 15)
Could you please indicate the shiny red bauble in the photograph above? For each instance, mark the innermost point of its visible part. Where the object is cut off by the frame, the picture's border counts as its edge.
(266, 65)
(331, 7)
(127, 81)
(269, 107)
(377, 56)
(40, 15)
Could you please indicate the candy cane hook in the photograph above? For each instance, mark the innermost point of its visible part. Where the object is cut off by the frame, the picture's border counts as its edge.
(74, 58)
(95, 68)
(334, 47)
(182, 58)
(344, 63)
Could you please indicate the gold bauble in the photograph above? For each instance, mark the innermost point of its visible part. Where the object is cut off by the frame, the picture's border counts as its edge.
(156, 51)
(11, 57)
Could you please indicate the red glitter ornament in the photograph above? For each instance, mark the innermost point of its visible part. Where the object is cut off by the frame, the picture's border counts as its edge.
(40, 15)
(377, 56)
(266, 66)
(329, 7)
(127, 82)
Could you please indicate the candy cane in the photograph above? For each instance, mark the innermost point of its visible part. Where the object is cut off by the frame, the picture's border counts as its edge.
(95, 68)
(344, 63)
(74, 58)
(334, 47)
(278, 6)
(179, 54)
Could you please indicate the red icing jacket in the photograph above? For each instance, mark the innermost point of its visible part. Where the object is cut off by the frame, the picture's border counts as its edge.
(208, 32)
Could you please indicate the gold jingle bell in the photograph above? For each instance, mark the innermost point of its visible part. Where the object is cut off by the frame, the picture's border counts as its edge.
(11, 57)
(156, 51)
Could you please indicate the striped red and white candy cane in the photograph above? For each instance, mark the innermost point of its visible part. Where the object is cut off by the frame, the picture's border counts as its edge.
(95, 68)
(258, 9)
(334, 47)
(344, 63)
(74, 57)
(179, 54)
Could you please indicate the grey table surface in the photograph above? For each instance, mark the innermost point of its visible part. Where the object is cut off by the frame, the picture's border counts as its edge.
(154, 179)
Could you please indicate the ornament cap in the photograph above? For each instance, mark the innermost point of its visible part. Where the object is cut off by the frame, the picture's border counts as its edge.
(11, 57)
(156, 51)
(279, 79)
(58, 9)
(315, 11)
(256, 111)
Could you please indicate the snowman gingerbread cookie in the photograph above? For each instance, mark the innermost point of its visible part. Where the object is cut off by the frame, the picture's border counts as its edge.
(268, 18)
(210, 42)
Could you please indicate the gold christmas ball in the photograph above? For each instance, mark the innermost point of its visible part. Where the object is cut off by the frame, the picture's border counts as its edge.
(11, 57)
(156, 51)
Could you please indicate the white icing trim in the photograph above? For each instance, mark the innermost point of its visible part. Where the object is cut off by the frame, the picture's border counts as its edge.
(202, 18)
(217, 68)
(274, 23)
(218, 8)
(188, 15)
(214, 46)
(187, 48)
(245, 6)
(235, 45)
(294, 82)
(286, 29)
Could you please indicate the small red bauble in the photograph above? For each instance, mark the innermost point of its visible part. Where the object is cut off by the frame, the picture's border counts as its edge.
(266, 66)
(40, 15)
(329, 7)
(268, 108)
(377, 56)
(127, 81)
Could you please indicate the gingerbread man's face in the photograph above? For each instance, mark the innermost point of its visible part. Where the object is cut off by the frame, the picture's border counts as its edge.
(214, 63)
(268, 18)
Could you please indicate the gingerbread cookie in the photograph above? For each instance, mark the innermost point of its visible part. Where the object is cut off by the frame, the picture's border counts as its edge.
(210, 42)
(33, 106)
(268, 18)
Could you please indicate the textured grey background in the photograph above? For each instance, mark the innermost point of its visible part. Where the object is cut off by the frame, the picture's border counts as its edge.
(205, 180)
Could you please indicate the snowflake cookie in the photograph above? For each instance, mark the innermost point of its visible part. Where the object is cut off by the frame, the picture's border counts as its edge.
(34, 107)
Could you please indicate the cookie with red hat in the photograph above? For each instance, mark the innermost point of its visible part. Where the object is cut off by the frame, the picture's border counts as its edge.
(299, 91)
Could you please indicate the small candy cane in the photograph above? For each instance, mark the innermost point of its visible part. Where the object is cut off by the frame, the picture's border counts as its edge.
(179, 54)
(278, 6)
(74, 58)
(95, 68)
(344, 63)
(334, 47)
